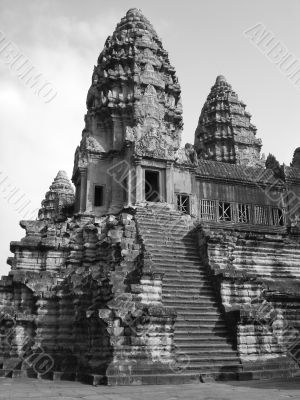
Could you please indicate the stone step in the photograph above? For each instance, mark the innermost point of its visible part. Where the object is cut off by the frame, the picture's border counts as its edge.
(171, 254)
(196, 311)
(169, 288)
(164, 221)
(147, 225)
(201, 333)
(161, 241)
(198, 324)
(188, 272)
(165, 227)
(207, 296)
(203, 299)
(183, 304)
(169, 248)
(212, 365)
(219, 353)
(202, 304)
(179, 270)
(214, 358)
(181, 266)
(182, 238)
(179, 260)
(186, 312)
(172, 274)
(166, 231)
(175, 283)
(192, 344)
(181, 291)
(202, 290)
(186, 275)
(196, 347)
(173, 251)
(175, 277)
(188, 269)
(200, 318)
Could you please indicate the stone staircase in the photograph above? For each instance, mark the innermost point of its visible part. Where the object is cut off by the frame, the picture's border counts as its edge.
(201, 338)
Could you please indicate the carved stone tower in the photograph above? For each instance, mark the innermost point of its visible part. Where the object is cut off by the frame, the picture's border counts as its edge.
(134, 113)
(224, 131)
(296, 158)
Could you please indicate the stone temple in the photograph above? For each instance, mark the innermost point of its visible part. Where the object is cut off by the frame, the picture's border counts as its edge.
(164, 264)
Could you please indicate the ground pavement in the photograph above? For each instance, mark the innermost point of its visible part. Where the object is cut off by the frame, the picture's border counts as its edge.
(23, 389)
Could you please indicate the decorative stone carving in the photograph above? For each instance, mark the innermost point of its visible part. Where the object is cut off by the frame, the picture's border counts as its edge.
(187, 155)
(295, 224)
(150, 140)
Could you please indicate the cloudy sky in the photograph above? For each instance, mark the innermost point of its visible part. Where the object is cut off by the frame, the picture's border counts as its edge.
(62, 40)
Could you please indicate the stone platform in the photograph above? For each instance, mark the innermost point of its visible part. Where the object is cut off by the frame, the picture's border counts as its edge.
(255, 390)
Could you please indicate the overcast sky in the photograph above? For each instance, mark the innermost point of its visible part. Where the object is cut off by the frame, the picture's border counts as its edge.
(63, 38)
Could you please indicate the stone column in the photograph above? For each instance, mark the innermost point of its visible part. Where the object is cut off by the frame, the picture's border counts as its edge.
(129, 186)
(83, 189)
(138, 181)
(194, 206)
(169, 183)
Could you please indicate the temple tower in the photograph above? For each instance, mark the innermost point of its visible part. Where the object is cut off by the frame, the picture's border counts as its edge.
(225, 132)
(134, 115)
(58, 200)
(296, 158)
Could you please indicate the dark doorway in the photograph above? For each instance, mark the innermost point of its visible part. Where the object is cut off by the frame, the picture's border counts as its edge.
(152, 186)
(98, 196)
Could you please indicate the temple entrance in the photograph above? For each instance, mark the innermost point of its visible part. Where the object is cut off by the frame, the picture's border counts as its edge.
(152, 192)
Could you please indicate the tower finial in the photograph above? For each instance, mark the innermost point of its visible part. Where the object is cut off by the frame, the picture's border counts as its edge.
(220, 78)
(134, 10)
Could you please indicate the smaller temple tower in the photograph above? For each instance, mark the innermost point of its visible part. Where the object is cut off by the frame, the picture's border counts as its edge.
(225, 132)
(296, 158)
(59, 199)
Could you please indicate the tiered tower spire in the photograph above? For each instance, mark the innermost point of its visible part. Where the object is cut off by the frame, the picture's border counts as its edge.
(133, 86)
(58, 198)
(296, 158)
(134, 112)
(225, 132)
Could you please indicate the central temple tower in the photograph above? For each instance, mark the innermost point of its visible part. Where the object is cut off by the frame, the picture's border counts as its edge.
(134, 114)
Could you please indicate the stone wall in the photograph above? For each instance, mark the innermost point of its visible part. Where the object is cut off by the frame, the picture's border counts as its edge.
(82, 292)
(257, 278)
